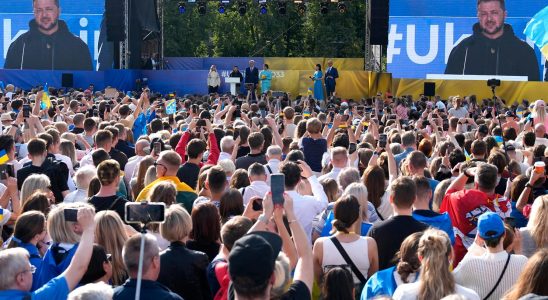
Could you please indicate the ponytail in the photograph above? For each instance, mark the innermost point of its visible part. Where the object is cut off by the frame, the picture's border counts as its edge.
(436, 281)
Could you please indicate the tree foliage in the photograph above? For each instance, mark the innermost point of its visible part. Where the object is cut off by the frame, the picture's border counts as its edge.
(271, 35)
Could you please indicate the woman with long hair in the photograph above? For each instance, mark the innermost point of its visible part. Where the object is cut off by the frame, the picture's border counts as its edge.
(386, 281)
(110, 233)
(33, 183)
(137, 183)
(374, 180)
(435, 281)
(213, 80)
(361, 250)
(28, 233)
(535, 235)
(231, 205)
(539, 113)
(68, 149)
(317, 78)
(533, 278)
(206, 230)
(65, 236)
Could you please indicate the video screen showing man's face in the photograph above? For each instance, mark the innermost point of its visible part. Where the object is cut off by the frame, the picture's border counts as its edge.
(491, 17)
(46, 14)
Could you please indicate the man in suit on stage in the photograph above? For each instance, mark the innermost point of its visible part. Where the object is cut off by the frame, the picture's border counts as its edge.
(331, 75)
(252, 76)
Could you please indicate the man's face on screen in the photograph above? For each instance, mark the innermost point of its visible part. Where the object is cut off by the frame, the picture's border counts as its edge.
(46, 14)
(491, 18)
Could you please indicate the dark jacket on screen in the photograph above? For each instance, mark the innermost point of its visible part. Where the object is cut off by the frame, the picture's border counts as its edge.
(506, 56)
(59, 51)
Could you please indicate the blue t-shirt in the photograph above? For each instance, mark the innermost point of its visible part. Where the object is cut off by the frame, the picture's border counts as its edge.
(313, 151)
(55, 289)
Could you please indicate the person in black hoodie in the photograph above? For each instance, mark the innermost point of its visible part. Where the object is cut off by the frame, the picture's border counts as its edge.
(48, 45)
(493, 48)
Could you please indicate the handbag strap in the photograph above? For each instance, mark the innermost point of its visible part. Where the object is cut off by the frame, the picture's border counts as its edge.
(500, 278)
(348, 259)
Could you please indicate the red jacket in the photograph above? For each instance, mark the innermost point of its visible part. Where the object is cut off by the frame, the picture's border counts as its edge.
(213, 149)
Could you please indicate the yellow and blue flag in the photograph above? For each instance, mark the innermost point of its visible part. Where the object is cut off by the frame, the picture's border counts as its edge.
(171, 107)
(3, 157)
(537, 30)
(46, 102)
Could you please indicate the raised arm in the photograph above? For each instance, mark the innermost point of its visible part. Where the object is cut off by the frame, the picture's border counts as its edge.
(80, 261)
(277, 138)
(214, 152)
(525, 194)
(305, 267)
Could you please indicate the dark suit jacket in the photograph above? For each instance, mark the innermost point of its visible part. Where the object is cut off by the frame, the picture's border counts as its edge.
(331, 81)
(252, 76)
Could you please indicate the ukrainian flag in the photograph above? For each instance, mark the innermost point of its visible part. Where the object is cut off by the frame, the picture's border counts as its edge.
(3, 157)
(537, 30)
(171, 107)
(46, 102)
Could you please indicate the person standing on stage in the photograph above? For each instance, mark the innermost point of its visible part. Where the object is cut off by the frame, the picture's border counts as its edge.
(318, 86)
(213, 80)
(252, 76)
(236, 73)
(266, 78)
(331, 75)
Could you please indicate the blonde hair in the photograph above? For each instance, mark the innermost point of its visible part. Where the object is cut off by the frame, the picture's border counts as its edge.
(359, 191)
(331, 189)
(67, 148)
(92, 291)
(61, 231)
(110, 233)
(165, 192)
(282, 276)
(32, 183)
(539, 113)
(436, 281)
(537, 224)
(150, 176)
(13, 261)
(177, 225)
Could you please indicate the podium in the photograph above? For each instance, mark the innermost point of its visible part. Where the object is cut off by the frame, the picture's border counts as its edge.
(233, 81)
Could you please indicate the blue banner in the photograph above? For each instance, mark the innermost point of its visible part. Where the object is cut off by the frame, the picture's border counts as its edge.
(422, 33)
(83, 19)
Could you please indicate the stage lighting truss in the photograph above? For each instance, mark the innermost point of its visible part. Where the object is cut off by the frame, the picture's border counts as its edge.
(341, 7)
(202, 8)
(263, 9)
(182, 7)
(242, 7)
(301, 6)
(282, 7)
(324, 7)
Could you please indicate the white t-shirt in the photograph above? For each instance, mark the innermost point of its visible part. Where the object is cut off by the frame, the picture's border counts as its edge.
(410, 291)
(459, 113)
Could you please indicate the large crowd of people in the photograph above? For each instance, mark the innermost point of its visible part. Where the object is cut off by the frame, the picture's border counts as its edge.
(384, 197)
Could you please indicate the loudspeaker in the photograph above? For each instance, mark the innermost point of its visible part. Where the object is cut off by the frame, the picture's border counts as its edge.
(379, 22)
(429, 89)
(114, 17)
(67, 80)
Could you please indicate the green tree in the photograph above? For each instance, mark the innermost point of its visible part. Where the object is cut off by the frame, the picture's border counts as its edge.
(270, 35)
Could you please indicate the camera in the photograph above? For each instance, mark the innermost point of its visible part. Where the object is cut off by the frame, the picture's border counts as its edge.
(493, 82)
(145, 212)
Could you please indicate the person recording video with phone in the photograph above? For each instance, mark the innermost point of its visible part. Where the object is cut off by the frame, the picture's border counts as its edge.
(493, 48)
(48, 45)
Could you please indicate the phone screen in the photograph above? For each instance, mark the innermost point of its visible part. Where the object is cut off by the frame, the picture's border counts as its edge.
(26, 111)
(157, 148)
(277, 187)
(70, 214)
(382, 140)
(145, 212)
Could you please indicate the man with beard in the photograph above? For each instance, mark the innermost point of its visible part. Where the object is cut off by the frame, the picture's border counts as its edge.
(48, 45)
(493, 49)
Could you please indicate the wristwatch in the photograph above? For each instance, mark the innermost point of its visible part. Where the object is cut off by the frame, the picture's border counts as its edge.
(468, 175)
(528, 185)
(263, 218)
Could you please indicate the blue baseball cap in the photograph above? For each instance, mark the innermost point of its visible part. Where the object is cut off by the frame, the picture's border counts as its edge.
(490, 226)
